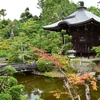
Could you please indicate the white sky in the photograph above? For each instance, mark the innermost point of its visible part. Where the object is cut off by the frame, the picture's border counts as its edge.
(88, 3)
(16, 7)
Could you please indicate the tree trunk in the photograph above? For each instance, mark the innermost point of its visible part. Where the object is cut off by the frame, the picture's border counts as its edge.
(67, 86)
(87, 92)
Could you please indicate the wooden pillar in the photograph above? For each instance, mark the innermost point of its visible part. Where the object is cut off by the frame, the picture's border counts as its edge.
(63, 40)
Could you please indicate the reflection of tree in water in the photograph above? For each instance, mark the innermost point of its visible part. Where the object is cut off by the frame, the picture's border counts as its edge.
(36, 93)
(50, 88)
(38, 86)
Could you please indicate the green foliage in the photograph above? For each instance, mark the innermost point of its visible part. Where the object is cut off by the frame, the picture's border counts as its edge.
(3, 53)
(12, 29)
(5, 96)
(34, 35)
(26, 15)
(97, 50)
(14, 58)
(12, 82)
(4, 45)
(57, 9)
(2, 12)
(19, 48)
(63, 60)
(44, 65)
(16, 92)
(97, 73)
(7, 83)
(9, 88)
(92, 64)
(51, 42)
(94, 10)
(9, 70)
(30, 27)
(72, 70)
(63, 31)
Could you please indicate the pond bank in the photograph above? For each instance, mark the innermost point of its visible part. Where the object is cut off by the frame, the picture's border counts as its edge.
(84, 65)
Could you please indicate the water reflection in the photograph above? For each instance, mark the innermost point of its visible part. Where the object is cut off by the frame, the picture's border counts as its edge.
(36, 93)
(50, 89)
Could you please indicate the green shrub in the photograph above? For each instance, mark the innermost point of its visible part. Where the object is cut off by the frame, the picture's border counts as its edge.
(3, 53)
(9, 70)
(10, 89)
(5, 96)
(44, 65)
(14, 58)
(92, 64)
(16, 92)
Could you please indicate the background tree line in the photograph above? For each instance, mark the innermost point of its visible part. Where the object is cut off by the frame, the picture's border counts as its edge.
(18, 35)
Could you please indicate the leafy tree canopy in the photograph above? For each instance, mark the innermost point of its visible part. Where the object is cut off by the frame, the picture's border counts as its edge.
(94, 10)
(26, 15)
(56, 10)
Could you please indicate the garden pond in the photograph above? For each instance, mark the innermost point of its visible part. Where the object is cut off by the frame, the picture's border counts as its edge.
(51, 88)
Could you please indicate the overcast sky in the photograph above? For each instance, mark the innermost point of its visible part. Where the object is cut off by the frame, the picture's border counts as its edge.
(88, 3)
(16, 7)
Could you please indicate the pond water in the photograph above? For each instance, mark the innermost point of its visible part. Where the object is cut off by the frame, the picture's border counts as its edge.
(51, 88)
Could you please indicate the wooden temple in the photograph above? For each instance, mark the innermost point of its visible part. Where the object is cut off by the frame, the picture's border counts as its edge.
(84, 27)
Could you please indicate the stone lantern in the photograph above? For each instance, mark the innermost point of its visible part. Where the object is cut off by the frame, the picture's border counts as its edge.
(71, 53)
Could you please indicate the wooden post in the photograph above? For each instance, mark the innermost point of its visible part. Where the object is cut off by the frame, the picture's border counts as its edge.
(63, 41)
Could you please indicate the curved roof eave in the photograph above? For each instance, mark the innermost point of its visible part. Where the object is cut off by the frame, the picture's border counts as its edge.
(56, 26)
(81, 16)
(51, 25)
(80, 23)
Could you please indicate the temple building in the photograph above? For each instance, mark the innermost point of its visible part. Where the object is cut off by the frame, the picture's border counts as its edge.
(84, 27)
